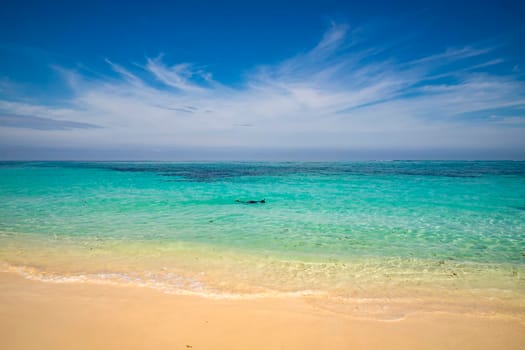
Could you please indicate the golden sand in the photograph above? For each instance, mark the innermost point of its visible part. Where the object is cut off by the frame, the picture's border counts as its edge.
(39, 315)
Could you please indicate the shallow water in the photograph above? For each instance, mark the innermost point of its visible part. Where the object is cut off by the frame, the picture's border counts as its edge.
(364, 229)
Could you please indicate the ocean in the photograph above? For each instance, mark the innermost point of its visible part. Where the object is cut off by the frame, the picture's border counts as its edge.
(416, 234)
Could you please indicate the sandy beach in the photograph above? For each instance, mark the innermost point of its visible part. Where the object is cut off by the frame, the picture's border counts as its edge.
(39, 315)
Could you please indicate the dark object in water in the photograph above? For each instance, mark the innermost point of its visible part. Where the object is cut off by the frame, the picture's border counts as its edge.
(251, 201)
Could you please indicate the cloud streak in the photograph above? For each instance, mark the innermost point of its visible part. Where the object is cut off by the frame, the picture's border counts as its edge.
(38, 123)
(336, 95)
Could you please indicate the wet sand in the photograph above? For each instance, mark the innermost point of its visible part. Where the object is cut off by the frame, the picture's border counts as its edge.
(40, 315)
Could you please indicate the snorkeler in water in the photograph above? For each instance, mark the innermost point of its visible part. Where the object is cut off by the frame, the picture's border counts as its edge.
(251, 201)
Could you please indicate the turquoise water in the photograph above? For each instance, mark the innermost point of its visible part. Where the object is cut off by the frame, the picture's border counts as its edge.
(368, 217)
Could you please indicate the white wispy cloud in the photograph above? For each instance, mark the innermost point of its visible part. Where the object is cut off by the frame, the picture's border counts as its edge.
(332, 96)
(453, 55)
(180, 76)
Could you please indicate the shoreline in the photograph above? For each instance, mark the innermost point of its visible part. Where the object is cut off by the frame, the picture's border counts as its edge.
(372, 290)
(36, 314)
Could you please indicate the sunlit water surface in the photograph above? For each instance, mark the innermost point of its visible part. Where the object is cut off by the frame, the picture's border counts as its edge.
(342, 231)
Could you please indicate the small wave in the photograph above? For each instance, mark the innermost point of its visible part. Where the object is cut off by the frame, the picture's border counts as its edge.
(382, 308)
(168, 283)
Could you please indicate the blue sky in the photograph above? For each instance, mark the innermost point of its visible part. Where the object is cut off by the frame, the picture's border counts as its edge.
(262, 80)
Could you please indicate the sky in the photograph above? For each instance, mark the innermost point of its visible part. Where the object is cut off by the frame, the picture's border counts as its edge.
(268, 80)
